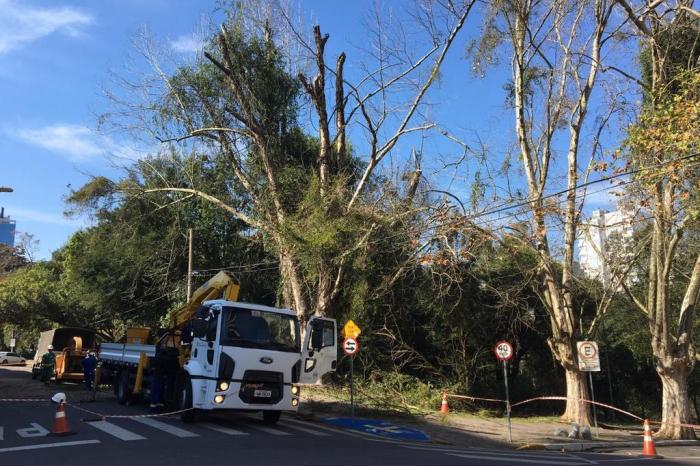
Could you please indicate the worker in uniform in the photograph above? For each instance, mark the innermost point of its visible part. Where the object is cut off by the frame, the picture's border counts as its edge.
(48, 363)
(89, 365)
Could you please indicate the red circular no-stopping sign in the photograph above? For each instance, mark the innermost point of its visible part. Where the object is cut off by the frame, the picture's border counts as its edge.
(503, 350)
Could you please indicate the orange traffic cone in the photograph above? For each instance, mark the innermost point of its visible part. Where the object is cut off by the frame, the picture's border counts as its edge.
(60, 423)
(648, 450)
(444, 409)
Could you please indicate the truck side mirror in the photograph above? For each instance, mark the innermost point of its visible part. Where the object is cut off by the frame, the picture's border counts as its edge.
(211, 330)
(199, 328)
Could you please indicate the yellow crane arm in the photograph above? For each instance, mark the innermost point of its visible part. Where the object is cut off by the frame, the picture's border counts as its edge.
(212, 289)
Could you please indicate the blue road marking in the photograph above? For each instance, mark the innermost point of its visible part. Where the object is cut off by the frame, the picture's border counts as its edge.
(379, 427)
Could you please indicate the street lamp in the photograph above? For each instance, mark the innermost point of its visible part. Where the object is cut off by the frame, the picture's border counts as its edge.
(6, 189)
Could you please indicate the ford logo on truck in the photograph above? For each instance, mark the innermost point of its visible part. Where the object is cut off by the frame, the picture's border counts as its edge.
(266, 360)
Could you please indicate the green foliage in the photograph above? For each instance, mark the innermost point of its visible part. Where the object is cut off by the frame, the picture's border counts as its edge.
(680, 44)
(11, 258)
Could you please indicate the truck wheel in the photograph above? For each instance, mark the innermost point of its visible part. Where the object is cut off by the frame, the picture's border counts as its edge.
(185, 401)
(271, 417)
(35, 374)
(122, 387)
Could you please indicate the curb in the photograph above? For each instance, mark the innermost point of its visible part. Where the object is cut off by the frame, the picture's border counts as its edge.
(573, 447)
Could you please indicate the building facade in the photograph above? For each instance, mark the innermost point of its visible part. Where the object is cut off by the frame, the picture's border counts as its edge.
(7, 229)
(605, 237)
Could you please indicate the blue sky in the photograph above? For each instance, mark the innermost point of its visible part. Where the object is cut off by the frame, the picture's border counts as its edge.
(55, 61)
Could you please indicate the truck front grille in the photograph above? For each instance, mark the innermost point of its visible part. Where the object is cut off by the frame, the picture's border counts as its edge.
(261, 382)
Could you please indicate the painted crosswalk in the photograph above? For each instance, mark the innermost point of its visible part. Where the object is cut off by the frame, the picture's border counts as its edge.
(269, 430)
(116, 431)
(165, 427)
(127, 429)
(140, 429)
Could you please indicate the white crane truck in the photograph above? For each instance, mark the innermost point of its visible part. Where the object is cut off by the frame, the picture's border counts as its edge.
(223, 355)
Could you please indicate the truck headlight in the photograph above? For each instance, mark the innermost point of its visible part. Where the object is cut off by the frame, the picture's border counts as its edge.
(223, 386)
(219, 399)
(295, 390)
(295, 402)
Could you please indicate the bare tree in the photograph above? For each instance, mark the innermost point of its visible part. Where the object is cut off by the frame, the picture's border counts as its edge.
(555, 52)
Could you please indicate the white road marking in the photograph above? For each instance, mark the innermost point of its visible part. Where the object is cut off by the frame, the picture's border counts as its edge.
(222, 429)
(48, 445)
(499, 453)
(172, 430)
(2, 433)
(531, 453)
(269, 430)
(627, 460)
(326, 428)
(115, 430)
(307, 430)
(34, 431)
(516, 459)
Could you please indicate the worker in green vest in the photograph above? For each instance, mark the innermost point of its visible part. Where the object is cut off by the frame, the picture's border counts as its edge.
(48, 363)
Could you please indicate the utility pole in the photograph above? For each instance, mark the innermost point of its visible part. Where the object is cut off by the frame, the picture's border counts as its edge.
(189, 264)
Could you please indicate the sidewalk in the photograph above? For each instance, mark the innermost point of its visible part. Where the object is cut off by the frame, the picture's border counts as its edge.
(468, 430)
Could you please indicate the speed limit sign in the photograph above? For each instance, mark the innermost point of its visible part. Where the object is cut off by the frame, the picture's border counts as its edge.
(503, 350)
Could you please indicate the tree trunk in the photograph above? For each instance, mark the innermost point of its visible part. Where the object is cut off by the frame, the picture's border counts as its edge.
(675, 404)
(577, 410)
(292, 287)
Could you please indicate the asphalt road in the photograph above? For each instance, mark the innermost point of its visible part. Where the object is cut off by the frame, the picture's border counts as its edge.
(242, 440)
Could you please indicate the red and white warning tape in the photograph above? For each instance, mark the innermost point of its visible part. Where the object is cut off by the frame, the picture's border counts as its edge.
(475, 398)
(24, 400)
(550, 398)
(113, 416)
(563, 398)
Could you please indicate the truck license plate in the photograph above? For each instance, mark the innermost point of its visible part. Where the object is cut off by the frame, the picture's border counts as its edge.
(263, 393)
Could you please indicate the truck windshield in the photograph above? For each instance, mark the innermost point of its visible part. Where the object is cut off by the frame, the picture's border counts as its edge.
(250, 328)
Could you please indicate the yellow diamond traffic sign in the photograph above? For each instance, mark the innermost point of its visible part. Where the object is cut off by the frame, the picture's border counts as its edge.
(351, 330)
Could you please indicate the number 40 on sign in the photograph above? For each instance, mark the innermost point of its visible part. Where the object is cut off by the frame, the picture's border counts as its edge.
(503, 350)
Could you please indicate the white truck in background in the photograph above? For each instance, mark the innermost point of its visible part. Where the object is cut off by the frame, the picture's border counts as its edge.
(225, 355)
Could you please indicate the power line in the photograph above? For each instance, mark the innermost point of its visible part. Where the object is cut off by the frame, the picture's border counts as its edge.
(584, 185)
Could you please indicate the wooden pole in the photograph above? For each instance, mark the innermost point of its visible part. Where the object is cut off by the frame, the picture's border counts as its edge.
(189, 264)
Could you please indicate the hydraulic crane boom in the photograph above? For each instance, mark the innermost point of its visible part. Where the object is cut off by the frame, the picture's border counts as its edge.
(212, 289)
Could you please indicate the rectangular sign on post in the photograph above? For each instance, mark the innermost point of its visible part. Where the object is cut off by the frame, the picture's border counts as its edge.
(588, 356)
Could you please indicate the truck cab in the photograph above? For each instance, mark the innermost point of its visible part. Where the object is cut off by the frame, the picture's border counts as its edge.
(254, 358)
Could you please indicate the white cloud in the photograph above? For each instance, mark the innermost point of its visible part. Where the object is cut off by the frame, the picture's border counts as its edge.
(20, 23)
(188, 43)
(50, 218)
(78, 143)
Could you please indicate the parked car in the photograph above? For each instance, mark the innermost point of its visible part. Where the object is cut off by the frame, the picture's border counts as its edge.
(11, 358)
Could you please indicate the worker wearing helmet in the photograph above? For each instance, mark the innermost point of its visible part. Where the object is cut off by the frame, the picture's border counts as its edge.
(48, 363)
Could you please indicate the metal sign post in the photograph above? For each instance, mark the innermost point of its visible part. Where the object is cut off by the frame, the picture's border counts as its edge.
(595, 415)
(350, 347)
(504, 351)
(589, 361)
(352, 388)
(505, 378)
